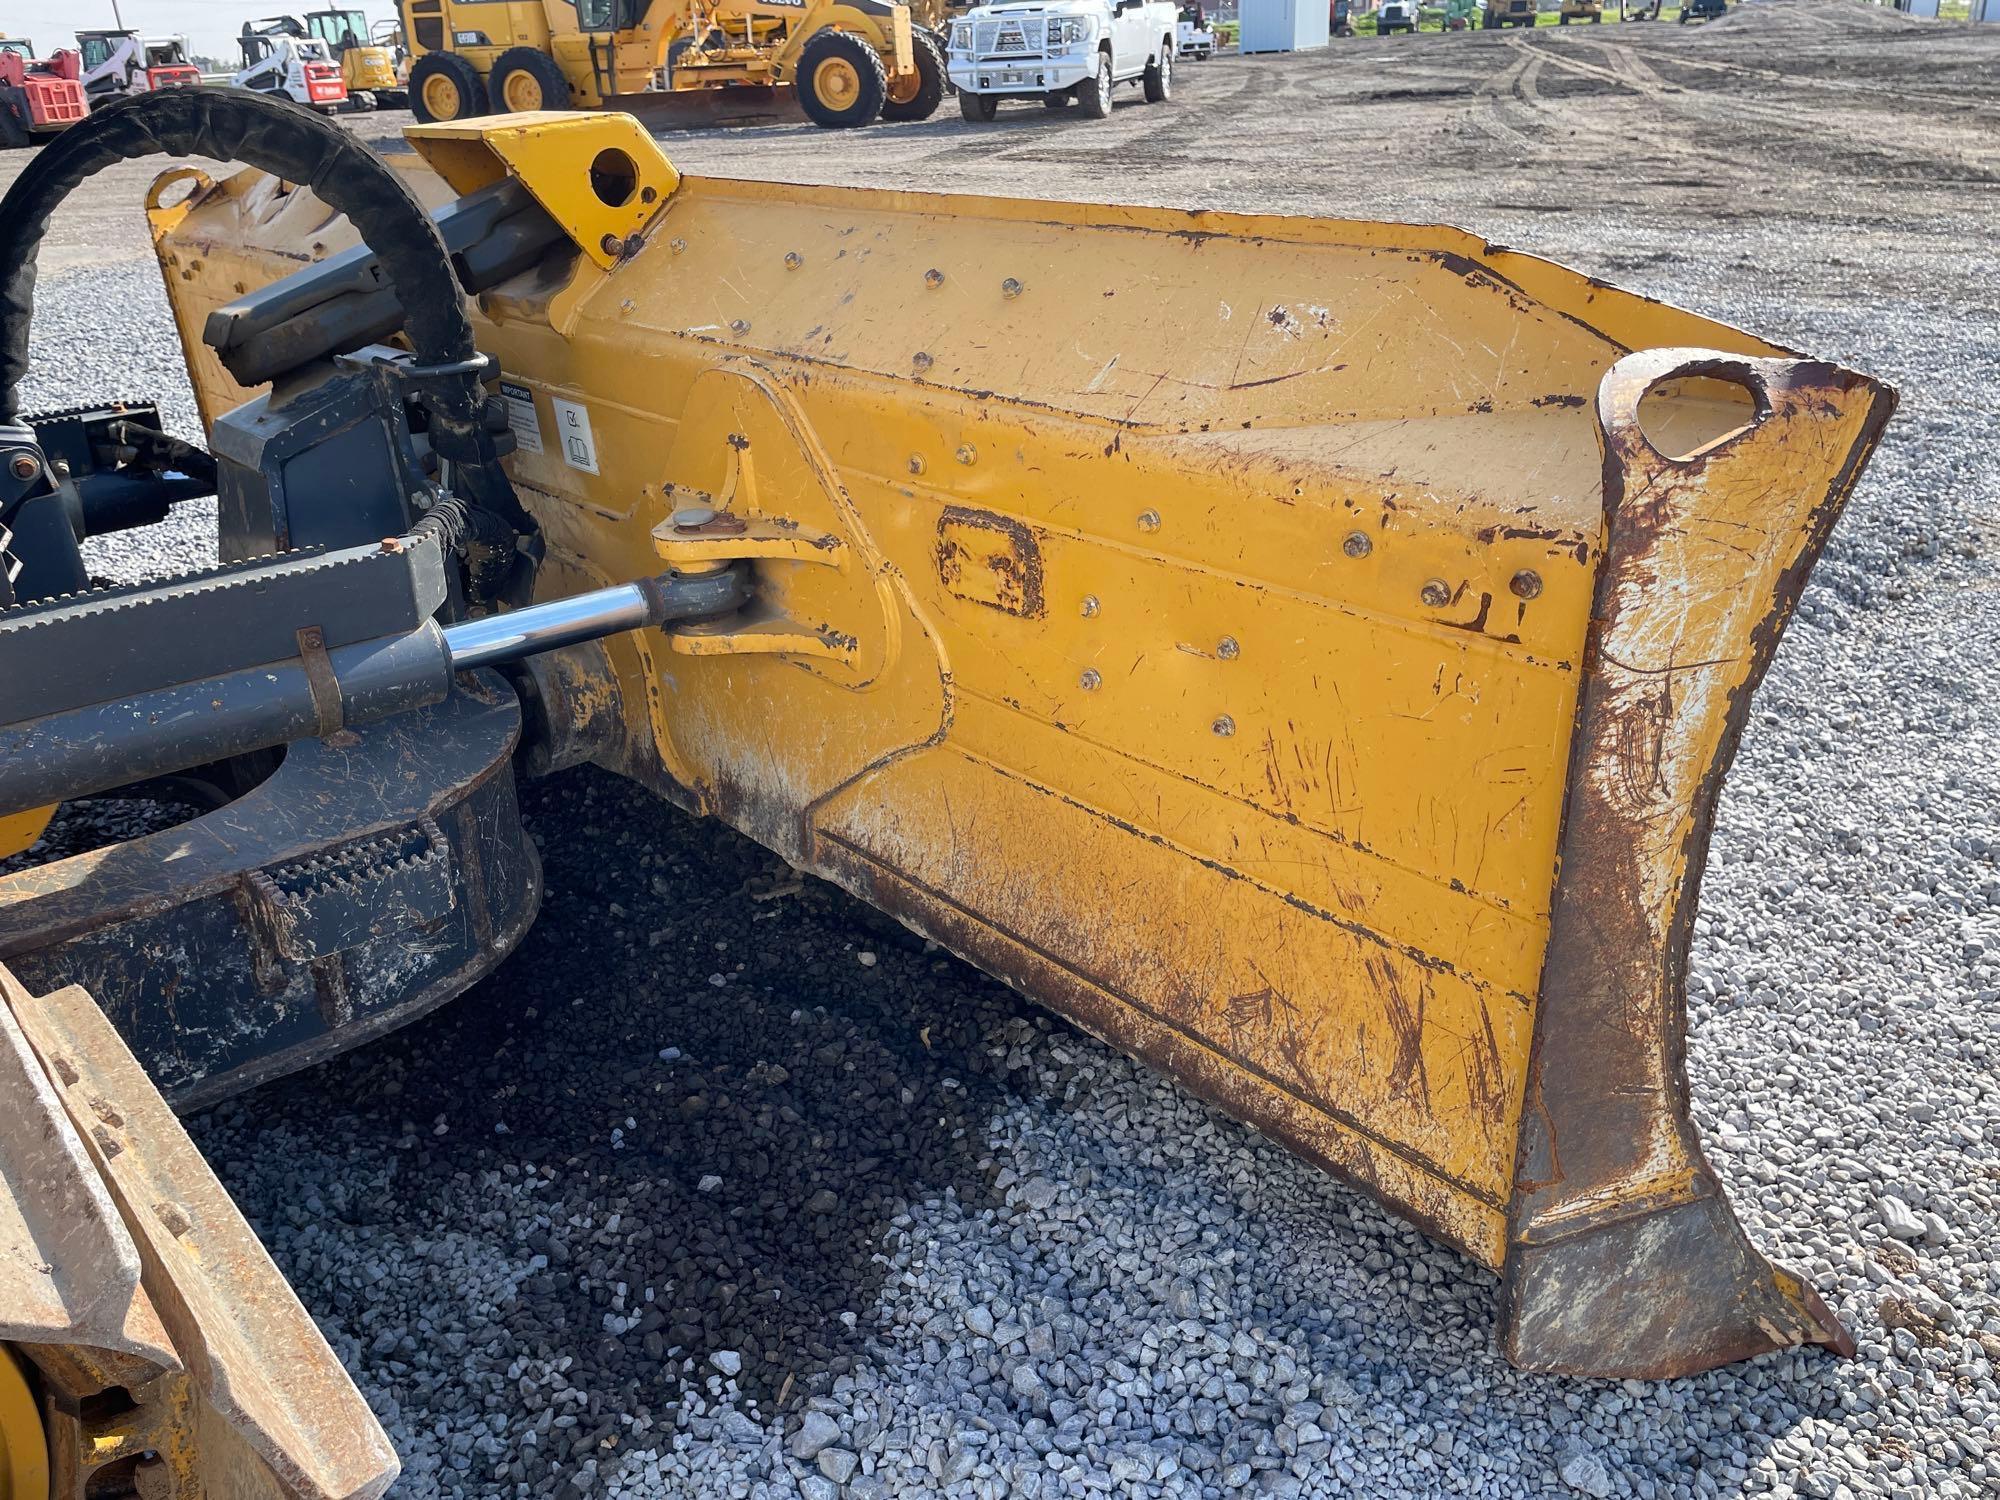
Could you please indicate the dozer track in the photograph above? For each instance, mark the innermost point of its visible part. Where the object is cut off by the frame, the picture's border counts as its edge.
(1305, 653)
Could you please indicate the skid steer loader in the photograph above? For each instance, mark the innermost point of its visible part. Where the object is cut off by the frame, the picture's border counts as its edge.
(841, 62)
(118, 64)
(1349, 754)
(281, 60)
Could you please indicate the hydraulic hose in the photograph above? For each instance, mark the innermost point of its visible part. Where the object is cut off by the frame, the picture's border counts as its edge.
(302, 147)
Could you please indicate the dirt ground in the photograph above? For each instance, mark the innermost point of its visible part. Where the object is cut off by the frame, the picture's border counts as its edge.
(1807, 108)
(1843, 114)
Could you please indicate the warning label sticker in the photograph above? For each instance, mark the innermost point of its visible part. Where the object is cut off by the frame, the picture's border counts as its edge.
(521, 417)
(579, 449)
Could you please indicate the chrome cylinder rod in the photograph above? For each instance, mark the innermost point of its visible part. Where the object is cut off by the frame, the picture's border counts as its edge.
(543, 627)
(588, 617)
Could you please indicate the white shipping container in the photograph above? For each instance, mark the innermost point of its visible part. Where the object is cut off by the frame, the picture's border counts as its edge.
(1282, 25)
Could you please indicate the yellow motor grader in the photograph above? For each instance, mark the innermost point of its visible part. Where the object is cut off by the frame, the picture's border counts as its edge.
(1313, 672)
(842, 63)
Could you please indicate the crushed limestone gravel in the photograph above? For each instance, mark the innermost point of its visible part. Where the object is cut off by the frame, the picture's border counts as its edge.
(726, 1186)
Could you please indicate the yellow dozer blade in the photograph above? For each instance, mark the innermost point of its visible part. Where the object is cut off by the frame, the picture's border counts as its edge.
(1304, 653)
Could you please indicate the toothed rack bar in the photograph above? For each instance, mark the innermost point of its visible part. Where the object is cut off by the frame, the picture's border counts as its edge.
(265, 655)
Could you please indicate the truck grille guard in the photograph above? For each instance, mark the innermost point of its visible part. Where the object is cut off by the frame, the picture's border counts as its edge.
(1022, 38)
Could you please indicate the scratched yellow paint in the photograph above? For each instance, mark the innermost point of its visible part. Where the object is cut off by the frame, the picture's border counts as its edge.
(1250, 751)
(19, 830)
(540, 148)
(1247, 967)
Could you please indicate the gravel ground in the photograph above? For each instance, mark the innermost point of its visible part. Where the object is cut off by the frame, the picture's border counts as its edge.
(726, 1186)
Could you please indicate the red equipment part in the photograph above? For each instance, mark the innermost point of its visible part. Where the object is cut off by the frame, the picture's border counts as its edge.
(173, 76)
(39, 97)
(323, 83)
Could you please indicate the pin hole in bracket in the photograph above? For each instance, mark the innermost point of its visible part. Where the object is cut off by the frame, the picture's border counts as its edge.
(177, 188)
(1700, 407)
(614, 177)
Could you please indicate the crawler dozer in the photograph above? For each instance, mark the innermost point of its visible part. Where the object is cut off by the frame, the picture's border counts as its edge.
(1351, 754)
(841, 62)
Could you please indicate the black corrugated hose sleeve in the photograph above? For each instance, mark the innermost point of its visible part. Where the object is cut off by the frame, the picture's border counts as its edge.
(274, 135)
(301, 146)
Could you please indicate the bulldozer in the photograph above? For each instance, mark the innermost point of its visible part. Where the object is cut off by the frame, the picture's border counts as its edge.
(842, 63)
(1335, 722)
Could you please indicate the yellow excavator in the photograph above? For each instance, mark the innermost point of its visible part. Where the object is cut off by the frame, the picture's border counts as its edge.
(367, 67)
(842, 63)
(1305, 653)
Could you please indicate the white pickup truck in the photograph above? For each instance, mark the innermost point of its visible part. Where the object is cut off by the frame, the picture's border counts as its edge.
(1061, 50)
(1195, 35)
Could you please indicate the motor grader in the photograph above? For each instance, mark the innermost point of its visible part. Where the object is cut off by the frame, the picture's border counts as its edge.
(842, 63)
(1314, 673)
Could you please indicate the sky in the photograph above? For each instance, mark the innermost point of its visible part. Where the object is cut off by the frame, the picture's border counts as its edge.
(211, 26)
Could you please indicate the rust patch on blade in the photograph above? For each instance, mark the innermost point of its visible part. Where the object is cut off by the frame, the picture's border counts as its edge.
(990, 559)
(1624, 1256)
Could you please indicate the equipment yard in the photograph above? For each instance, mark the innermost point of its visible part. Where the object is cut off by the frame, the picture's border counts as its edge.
(726, 1184)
